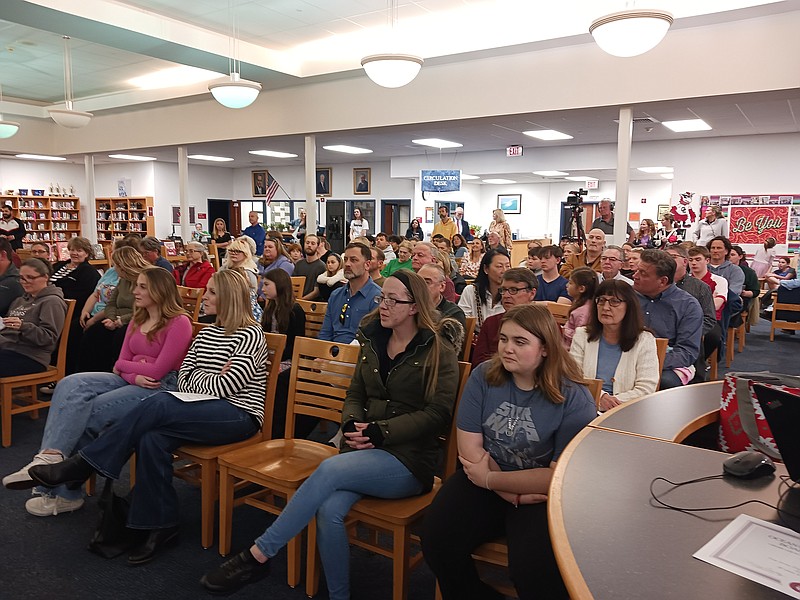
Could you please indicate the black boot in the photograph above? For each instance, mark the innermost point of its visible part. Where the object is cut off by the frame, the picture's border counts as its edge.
(235, 573)
(157, 540)
(74, 470)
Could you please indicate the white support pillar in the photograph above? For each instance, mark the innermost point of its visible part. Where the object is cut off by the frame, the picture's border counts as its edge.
(311, 183)
(90, 227)
(624, 137)
(183, 193)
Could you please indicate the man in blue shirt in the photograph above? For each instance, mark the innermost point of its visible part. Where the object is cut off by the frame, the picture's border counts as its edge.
(348, 304)
(670, 313)
(256, 233)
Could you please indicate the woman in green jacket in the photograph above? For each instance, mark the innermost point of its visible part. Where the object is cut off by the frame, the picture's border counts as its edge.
(403, 260)
(400, 400)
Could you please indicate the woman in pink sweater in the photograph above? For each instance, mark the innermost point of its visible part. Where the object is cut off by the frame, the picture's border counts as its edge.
(86, 403)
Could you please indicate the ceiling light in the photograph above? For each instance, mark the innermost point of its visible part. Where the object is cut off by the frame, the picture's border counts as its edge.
(7, 128)
(39, 157)
(392, 70)
(668, 175)
(273, 153)
(498, 181)
(131, 157)
(233, 91)
(172, 77)
(437, 143)
(687, 125)
(547, 135)
(655, 169)
(551, 173)
(69, 117)
(465, 176)
(574, 178)
(209, 158)
(347, 149)
(630, 32)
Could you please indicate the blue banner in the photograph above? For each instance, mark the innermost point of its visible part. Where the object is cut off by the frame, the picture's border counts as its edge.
(441, 181)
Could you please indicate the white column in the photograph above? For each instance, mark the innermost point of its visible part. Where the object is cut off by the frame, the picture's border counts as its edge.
(90, 227)
(183, 193)
(624, 136)
(311, 182)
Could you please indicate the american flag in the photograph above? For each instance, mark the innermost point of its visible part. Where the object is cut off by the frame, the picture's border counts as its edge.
(272, 187)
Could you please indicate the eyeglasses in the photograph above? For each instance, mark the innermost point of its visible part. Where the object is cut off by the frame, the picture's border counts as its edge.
(610, 258)
(343, 314)
(512, 290)
(613, 302)
(390, 302)
(30, 279)
(235, 251)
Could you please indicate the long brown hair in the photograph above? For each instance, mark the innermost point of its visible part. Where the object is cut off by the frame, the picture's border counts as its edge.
(586, 277)
(163, 291)
(633, 321)
(281, 307)
(554, 368)
(279, 247)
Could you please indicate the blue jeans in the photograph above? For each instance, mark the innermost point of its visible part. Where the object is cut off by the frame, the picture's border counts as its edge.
(83, 405)
(337, 484)
(154, 429)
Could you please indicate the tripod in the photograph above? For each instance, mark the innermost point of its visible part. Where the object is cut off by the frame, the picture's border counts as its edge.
(576, 225)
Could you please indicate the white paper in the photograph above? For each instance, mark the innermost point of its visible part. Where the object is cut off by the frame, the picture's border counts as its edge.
(758, 550)
(187, 397)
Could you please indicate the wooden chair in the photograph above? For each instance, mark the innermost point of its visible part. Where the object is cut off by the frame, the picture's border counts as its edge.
(192, 299)
(468, 335)
(595, 387)
(661, 351)
(778, 324)
(298, 283)
(279, 467)
(202, 466)
(315, 315)
(213, 254)
(196, 327)
(8, 406)
(713, 362)
(560, 312)
(393, 517)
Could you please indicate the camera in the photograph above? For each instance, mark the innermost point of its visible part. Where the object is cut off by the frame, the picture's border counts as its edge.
(574, 197)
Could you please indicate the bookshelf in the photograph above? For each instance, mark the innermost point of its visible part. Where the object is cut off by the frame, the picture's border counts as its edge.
(47, 218)
(119, 216)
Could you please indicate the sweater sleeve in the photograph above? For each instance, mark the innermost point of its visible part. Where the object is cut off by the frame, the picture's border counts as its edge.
(645, 358)
(45, 333)
(177, 336)
(578, 351)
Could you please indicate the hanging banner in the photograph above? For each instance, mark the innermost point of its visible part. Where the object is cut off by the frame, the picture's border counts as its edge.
(754, 224)
(441, 181)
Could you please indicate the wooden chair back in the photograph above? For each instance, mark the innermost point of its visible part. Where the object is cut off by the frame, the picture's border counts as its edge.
(560, 312)
(276, 343)
(196, 327)
(315, 315)
(777, 323)
(213, 254)
(468, 335)
(661, 351)
(192, 299)
(595, 387)
(298, 284)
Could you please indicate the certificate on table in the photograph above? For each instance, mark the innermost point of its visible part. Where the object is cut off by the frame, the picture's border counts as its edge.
(760, 551)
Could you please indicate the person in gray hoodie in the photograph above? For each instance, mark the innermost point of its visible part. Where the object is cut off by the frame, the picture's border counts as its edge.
(34, 323)
(10, 289)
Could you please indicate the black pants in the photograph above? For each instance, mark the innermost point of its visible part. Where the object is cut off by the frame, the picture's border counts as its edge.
(13, 364)
(99, 348)
(462, 517)
(303, 424)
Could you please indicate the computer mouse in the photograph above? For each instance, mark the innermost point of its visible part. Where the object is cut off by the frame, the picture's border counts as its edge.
(749, 465)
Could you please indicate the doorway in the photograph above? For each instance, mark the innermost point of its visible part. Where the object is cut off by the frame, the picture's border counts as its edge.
(228, 211)
(396, 216)
(335, 224)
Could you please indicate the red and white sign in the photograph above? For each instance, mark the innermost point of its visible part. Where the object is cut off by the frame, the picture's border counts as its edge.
(592, 184)
(514, 151)
(754, 224)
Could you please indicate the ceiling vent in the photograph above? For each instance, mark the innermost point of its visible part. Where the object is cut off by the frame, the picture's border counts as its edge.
(642, 121)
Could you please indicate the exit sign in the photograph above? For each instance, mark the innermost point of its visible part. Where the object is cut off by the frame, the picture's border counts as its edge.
(514, 151)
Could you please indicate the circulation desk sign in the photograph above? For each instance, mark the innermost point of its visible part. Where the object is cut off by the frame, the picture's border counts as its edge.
(754, 224)
(441, 181)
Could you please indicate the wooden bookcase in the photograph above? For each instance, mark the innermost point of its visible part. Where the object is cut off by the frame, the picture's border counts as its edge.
(119, 216)
(47, 218)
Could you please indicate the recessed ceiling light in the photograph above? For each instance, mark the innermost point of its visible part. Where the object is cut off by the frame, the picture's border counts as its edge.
(498, 181)
(348, 149)
(437, 143)
(173, 77)
(548, 135)
(273, 153)
(687, 125)
(39, 157)
(551, 173)
(210, 158)
(131, 157)
(465, 176)
(655, 169)
(668, 175)
(573, 178)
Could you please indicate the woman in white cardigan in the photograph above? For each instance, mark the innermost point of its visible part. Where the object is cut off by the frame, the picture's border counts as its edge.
(615, 347)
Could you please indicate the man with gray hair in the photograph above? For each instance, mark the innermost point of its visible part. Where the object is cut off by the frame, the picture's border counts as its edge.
(605, 222)
(436, 279)
(611, 261)
(151, 251)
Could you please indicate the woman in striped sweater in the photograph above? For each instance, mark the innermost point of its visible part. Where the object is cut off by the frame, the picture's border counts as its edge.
(220, 400)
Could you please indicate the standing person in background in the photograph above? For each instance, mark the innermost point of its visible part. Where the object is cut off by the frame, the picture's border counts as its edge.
(667, 235)
(762, 261)
(10, 288)
(221, 237)
(462, 227)
(500, 226)
(710, 227)
(605, 222)
(310, 267)
(414, 231)
(150, 248)
(299, 227)
(719, 248)
(446, 227)
(646, 236)
(11, 228)
(359, 226)
(580, 287)
(255, 232)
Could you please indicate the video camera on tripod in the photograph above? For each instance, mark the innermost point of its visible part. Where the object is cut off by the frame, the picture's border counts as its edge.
(575, 204)
(574, 197)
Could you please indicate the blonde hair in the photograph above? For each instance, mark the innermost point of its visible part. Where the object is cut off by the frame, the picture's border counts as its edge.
(499, 212)
(214, 234)
(242, 245)
(233, 301)
(129, 262)
(163, 291)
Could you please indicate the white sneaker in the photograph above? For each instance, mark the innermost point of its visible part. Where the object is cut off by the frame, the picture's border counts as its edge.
(21, 480)
(50, 506)
(48, 388)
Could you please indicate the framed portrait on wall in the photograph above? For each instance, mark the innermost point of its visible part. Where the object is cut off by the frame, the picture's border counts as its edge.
(663, 209)
(510, 204)
(259, 184)
(324, 181)
(362, 181)
(429, 214)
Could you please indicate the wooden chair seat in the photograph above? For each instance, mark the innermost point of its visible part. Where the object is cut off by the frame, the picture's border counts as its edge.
(278, 462)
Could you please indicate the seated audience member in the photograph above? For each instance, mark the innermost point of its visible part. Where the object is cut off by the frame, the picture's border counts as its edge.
(552, 286)
(376, 265)
(482, 298)
(590, 256)
(309, 267)
(632, 258)
(460, 247)
(403, 260)
(274, 257)
(425, 253)
(719, 249)
(394, 242)
(533, 261)
(353, 301)
(783, 273)
(670, 313)
(751, 288)
(382, 242)
(615, 346)
(611, 263)
(332, 279)
(76, 277)
(569, 250)
(471, 265)
(400, 401)
(10, 288)
(414, 232)
(532, 245)
(34, 323)
(493, 242)
(518, 288)
(581, 286)
(240, 255)
(698, 267)
(40, 250)
(150, 248)
(516, 415)
(295, 252)
(435, 278)
(445, 247)
(84, 404)
(197, 269)
(702, 293)
(227, 362)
